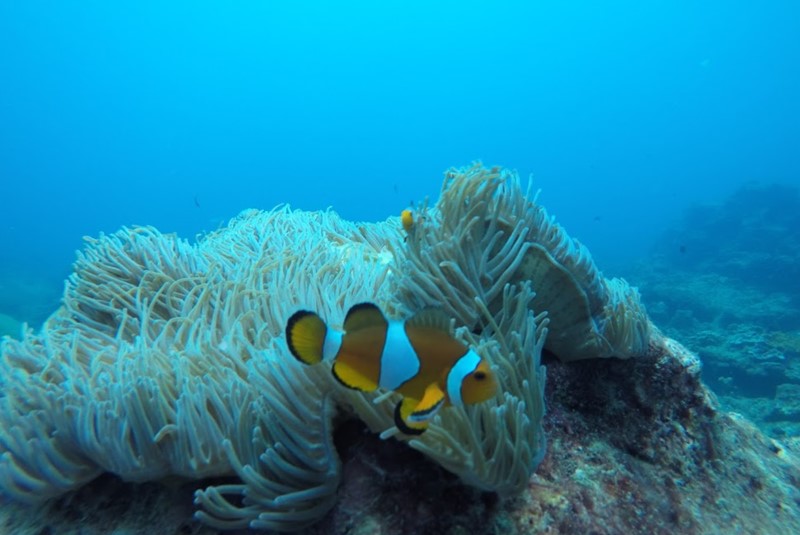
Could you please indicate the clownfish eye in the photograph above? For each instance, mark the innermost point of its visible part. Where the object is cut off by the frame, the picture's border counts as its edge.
(480, 376)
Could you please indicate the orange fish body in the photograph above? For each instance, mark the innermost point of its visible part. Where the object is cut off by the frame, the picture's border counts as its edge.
(417, 358)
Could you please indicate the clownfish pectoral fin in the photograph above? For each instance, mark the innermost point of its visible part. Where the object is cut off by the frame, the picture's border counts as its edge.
(432, 400)
(305, 336)
(349, 377)
(362, 316)
(432, 318)
(412, 416)
(401, 418)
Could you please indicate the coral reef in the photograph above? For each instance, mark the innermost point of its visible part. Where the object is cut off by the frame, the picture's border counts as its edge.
(735, 262)
(751, 237)
(724, 283)
(166, 363)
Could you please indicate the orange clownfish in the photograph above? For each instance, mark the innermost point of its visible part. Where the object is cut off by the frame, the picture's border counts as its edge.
(417, 358)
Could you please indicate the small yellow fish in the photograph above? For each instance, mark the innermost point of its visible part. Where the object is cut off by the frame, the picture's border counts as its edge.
(417, 358)
(407, 218)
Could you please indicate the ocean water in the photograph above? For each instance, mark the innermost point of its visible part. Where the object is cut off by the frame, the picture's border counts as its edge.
(664, 135)
(179, 115)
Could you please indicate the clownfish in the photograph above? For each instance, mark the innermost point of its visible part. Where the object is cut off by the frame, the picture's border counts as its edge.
(407, 219)
(417, 358)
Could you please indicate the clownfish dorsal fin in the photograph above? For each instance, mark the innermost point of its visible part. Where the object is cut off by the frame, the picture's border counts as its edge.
(362, 316)
(435, 318)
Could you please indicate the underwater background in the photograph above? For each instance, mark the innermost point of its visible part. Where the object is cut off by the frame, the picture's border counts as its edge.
(663, 135)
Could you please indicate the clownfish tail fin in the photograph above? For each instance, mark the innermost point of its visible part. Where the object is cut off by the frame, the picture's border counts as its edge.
(305, 336)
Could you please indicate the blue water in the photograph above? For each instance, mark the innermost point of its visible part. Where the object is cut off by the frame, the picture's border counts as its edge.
(181, 114)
